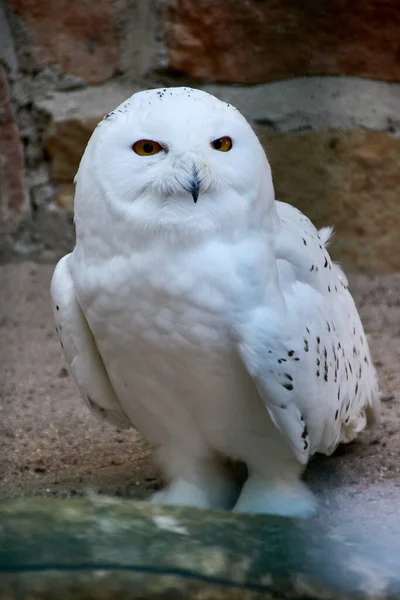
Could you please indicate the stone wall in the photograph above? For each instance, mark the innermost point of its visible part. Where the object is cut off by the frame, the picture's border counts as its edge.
(320, 82)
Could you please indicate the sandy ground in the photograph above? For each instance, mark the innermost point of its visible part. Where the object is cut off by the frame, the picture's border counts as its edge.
(50, 444)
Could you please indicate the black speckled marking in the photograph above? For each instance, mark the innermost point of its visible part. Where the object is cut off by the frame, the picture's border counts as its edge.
(306, 348)
(287, 386)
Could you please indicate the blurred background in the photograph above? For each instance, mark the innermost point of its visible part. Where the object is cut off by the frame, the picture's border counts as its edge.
(320, 82)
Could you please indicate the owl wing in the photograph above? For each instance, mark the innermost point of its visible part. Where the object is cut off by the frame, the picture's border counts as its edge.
(307, 353)
(275, 361)
(81, 352)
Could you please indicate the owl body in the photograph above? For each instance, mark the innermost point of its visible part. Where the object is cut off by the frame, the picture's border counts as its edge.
(166, 337)
(218, 329)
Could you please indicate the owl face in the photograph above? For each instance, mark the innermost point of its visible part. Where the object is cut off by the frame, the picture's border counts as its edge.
(177, 158)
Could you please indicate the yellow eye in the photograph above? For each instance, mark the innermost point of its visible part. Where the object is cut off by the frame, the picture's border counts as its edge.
(146, 147)
(223, 144)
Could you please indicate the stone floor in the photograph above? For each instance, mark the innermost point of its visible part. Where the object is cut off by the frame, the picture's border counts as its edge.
(51, 446)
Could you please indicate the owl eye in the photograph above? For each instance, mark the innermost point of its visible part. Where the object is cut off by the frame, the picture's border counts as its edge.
(146, 147)
(223, 144)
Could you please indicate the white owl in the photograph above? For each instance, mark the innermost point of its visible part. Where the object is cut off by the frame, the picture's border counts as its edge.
(203, 312)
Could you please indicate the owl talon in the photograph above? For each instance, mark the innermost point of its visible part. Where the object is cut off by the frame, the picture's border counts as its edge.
(276, 498)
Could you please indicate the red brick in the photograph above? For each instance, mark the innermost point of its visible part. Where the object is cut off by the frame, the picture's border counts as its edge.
(250, 41)
(77, 35)
(12, 189)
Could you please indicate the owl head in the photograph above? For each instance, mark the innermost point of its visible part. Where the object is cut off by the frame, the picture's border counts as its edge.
(175, 162)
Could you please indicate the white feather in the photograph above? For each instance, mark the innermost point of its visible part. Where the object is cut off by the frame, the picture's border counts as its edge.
(80, 350)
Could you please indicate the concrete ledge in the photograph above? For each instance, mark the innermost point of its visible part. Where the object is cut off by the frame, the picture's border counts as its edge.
(289, 105)
(317, 103)
(104, 548)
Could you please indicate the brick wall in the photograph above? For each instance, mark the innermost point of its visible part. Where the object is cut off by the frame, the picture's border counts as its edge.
(320, 82)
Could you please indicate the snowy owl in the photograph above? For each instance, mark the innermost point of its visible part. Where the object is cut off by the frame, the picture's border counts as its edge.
(203, 312)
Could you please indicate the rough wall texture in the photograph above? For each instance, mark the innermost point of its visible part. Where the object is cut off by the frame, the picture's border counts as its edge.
(256, 41)
(12, 185)
(332, 135)
(78, 37)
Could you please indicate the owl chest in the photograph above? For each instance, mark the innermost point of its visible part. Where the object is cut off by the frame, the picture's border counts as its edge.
(161, 317)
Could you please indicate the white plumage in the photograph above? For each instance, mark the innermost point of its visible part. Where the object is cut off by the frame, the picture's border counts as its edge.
(218, 328)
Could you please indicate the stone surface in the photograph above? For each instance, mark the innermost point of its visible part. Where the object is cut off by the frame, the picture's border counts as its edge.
(109, 549)
(73, 118)
(253, 41)
(317, 103)
(348, 179)
(7, 50)
(65, 142)
(78, 36)
(13, 197)
(291, 105)
(140, 31)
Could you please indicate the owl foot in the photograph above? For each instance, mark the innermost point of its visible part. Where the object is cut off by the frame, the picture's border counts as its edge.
(200, 494)
(276, 498)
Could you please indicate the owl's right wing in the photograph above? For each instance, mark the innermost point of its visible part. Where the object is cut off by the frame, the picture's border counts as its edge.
(80, 350)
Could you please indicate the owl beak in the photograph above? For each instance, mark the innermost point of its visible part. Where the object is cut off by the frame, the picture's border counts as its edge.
(194, 186)
(195, 192)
